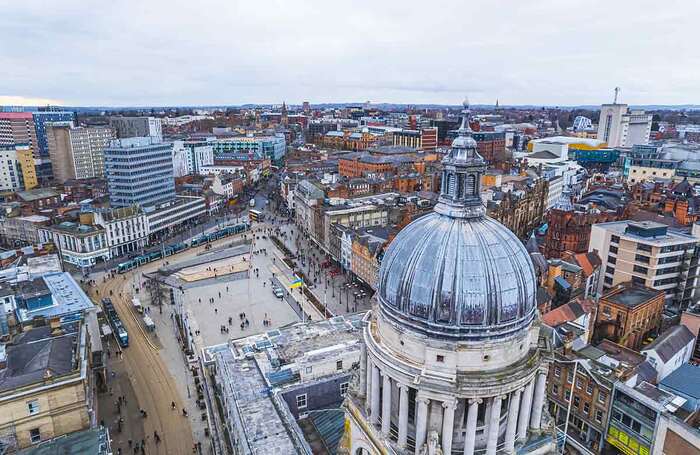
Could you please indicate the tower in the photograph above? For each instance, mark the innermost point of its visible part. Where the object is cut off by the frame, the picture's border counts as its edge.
(284, 119)
(451, 359)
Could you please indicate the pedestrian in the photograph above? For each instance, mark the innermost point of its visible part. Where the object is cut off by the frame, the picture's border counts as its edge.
(216, 311)
(172, 405)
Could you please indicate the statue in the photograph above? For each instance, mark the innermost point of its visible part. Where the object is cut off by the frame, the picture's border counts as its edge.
(432, 447)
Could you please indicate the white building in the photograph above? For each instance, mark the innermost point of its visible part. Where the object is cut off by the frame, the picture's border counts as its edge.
(189, 157)
(649, 254)
(126, 229)
(78, 244)
(178, 211)
(670, 350)
(621, 127)
(10, 170)
(452, 360)
(77, 152)
(223, 185)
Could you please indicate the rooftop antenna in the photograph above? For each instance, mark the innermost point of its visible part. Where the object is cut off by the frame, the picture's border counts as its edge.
(617, 93)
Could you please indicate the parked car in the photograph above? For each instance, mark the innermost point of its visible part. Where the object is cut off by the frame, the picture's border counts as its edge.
(278, 292)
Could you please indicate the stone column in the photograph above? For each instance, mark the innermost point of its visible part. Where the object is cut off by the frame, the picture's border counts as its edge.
(386, 405)
(470, 436)
(374, 411)
(368, 398)
(512, 426)
(525, 407)
(421, 422)
(363, 370)
(403, 415)
(448, 421)
(494, 425)
(538, 401)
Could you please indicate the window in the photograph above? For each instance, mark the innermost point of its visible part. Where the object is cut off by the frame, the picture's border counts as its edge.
(555, 389)
(609, 269)
(608, 280)
(440, 358)
(301, 401)
(602, 396)
(615, 238)
(308, 370)
(638, 280)
(611, 260)
(641, 258)
(598, 416)
(567, 395)
(577, 402)
(557, 372)
(640, 269)
(35, 435)
(344, 388)
(586, 408)
(613, 249)
(579, 383)
(643, 247)
(589, 388)
(339, 365)
(33, 407)
(569, 376)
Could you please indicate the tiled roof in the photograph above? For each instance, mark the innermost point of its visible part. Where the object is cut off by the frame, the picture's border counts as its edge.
(671, 342)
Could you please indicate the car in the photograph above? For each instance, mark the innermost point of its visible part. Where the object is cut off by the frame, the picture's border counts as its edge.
(278, 292)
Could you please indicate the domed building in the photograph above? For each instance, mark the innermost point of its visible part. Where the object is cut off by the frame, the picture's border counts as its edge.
(452, 361)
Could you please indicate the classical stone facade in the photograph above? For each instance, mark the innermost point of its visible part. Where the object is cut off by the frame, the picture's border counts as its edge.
(452, 360)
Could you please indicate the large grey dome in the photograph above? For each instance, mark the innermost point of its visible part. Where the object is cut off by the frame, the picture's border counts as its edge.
(456, 273)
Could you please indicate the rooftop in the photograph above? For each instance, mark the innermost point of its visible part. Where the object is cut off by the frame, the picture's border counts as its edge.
(94, 442)
(75, 228)
(684, 380)
(631, 295)
(36, 194)
(254, 369)
(68, 299)
(36, 355)
(671, 236)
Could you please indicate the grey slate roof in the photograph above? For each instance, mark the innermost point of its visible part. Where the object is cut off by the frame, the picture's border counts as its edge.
(685, 380)
(670, 342)
(34, 355)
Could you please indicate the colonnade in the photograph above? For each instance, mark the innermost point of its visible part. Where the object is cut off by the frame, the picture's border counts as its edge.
(524, 412)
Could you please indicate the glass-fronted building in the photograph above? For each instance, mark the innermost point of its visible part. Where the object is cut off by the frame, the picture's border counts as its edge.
(139, 170)
(251, 148)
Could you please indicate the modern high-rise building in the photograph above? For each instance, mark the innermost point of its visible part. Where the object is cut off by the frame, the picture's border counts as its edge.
(139, 170)
(190, 156)
(648, 254)
(18, 128)
(621, 127)
(77, 152)
(451, 358)
(137, 127)
(17, 171)
(41, 121)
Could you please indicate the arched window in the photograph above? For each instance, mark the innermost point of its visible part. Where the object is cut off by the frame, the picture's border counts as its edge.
(451, 183)
(471, 185)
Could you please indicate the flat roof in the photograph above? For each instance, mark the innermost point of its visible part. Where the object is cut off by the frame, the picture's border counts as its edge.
(68, 298)
(632, 296)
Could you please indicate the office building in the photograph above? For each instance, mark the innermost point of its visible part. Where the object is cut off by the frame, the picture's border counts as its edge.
(139, 170)
(452, 360)
(42, 161)
(17, 171)
(251, 148)
(126, 127)
(18, 128)
(621, 127)
(190, 156)
(77, 152)
(648, 254)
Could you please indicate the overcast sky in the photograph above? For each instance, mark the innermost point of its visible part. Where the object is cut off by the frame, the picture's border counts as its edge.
(147, 52)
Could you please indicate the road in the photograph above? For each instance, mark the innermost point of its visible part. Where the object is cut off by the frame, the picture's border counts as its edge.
(152, 383)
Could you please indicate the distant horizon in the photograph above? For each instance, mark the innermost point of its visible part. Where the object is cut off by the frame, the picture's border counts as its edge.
(28, 107)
